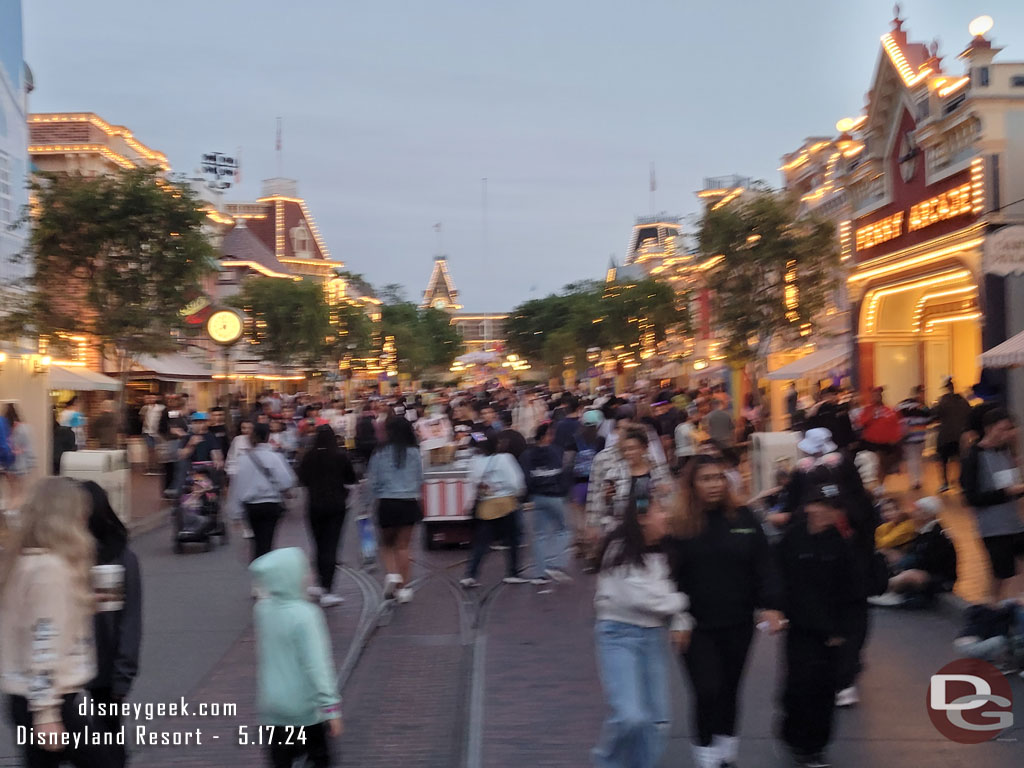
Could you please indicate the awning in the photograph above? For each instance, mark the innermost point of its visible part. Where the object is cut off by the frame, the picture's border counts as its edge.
(171, 367)
(81, 380)
(819, 361)
(1006, 355)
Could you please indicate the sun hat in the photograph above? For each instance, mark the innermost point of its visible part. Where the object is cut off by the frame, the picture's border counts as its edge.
(817, 441)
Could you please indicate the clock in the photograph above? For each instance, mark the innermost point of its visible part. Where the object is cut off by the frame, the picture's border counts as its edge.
(225, 326)
(907, 159)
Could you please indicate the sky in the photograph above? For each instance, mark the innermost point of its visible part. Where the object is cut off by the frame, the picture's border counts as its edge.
(394, 112)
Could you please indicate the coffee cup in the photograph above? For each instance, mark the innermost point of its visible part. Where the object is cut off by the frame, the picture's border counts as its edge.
(108, 585)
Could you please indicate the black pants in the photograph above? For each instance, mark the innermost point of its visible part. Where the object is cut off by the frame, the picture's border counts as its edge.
(325, 526)
(315, 749)
(112, 724)
(504, 529)
(263, 519)
(715, 662)
(170, 469)
(947, 453)
(851, 652)
(809, 691)
(86, 756)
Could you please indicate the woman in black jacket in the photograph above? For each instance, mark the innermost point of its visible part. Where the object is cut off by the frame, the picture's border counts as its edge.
(721, 560)
(326, 470)
(118, 633)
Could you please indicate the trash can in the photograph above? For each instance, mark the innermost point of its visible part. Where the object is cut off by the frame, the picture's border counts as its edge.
(138, 451)
(109, 470)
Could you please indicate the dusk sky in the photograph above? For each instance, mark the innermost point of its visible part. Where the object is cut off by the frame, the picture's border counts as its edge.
(394, 112)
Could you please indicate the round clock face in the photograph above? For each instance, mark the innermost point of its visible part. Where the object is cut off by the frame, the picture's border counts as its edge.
(439, 304)
(908, 157)
(224, 326)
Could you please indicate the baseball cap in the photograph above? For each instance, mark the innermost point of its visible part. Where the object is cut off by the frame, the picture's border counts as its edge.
(200, 416)
(592, 418)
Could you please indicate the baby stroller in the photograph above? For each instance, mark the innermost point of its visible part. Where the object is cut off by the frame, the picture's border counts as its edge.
(196, 516)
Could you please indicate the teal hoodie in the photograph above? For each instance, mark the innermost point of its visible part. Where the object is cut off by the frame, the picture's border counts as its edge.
(297, 681)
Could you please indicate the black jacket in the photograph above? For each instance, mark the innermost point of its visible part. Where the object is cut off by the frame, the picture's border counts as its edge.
(542, 466)
(971, 482)
(818, 582)
(325, 478)
(836, 419)
(727, 570)
(933, 551)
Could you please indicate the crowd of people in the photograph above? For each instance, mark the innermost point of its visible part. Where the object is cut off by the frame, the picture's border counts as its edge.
(646, 489)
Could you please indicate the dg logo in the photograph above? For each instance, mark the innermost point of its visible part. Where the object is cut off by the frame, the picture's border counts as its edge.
(970, 701)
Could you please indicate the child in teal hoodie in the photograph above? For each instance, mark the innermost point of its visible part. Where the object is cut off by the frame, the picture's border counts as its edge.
(298, 691)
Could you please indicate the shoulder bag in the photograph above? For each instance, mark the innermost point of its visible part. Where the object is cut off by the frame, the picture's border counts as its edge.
(497, 506)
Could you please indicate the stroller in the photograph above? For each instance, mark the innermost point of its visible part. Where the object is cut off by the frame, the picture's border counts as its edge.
(196, 516)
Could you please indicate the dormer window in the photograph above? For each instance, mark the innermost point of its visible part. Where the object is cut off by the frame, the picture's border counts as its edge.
(302, 241)
(981, 75)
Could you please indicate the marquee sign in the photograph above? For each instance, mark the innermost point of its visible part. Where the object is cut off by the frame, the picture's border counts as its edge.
(942, 207)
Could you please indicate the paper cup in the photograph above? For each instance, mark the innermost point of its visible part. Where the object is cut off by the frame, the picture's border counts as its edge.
(108, 584)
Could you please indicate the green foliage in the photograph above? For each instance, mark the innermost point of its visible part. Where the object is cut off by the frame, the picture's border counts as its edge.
(115, 257)
(424, 338)
(352, 333)
(761, 239)
(291, 319)
(590, 314)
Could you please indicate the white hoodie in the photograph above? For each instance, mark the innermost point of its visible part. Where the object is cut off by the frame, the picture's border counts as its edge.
(642, 596)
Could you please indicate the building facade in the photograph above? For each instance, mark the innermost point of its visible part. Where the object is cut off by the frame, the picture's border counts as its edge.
(480, 332)
(15, 85)
(928, 170)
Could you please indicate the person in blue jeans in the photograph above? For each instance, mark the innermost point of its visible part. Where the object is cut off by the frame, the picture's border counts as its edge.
(637, 604)
(546, 487)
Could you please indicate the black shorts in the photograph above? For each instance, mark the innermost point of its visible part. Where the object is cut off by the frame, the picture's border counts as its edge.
(398, 513)
(1003, 552)
(949, 451)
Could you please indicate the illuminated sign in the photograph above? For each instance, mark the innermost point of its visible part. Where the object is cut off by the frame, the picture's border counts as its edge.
(955, 202)
(880, 231)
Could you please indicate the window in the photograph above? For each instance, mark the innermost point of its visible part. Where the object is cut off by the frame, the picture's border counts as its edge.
(1017, 81)
(982, 76)
(953, 103)
(922, 108)
(6, 202)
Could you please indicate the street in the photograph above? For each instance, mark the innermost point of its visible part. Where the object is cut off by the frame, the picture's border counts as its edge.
(500, 677)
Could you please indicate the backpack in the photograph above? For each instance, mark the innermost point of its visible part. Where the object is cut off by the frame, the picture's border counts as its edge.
(584, 459)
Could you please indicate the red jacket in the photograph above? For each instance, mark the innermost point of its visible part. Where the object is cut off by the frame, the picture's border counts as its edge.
(880, 424)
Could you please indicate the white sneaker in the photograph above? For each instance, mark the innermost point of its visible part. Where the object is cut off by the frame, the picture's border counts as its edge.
(557, 574)
(404, 595)
(705, 757)
(847, 697)
(246, 532)
(329, 601)
(727, 749)
(391, 582)
(515, 580)
(540, 581)
(315, 591)
(887, 600)
(469, 583)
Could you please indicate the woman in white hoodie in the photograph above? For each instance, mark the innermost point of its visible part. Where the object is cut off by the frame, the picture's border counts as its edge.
(637, 604)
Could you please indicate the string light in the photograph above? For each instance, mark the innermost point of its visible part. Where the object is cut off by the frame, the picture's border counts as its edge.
(910, 78)
(927, 258)
(874, 298)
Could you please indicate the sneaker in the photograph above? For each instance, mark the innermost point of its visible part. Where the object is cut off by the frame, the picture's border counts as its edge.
(515, 580)
(315, 591)
(469, 583)
(887, 600)
(391, 582)
(814, 760)
(557, 574)
(329, 601)
(847, 697)
(246, 532)
(499, 547)
(404, 595)
(540, 581)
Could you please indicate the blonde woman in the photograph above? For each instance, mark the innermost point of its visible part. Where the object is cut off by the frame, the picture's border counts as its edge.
(46, 636)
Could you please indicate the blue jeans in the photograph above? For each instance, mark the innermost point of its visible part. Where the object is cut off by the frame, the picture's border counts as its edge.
(550, 534)
(634, 666)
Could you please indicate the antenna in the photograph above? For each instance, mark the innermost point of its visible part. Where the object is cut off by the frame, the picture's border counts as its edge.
(277, 147)
(440, 239)
(654, 188)
(483, 214)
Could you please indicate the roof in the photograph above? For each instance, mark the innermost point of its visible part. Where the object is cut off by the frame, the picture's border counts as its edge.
(819, 361)
(242, 245)
(440, 286)
(81, 380)
(172, 367)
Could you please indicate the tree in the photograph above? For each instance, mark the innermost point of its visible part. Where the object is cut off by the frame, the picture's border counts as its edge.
(774, 271)
(114, 259)
(352, 332)
(590, 314)
(424, 338)
(291, 319)
(393, 293)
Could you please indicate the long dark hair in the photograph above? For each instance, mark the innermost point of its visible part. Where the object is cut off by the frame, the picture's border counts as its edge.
(625, 544)
(401, 437)
(11, 414)
(690, 516)
(104, 525)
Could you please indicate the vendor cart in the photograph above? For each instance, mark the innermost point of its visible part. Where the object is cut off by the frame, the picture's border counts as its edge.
(447, 495)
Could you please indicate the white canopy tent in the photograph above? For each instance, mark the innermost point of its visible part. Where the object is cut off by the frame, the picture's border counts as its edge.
(820, 361)
(1009, 354)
